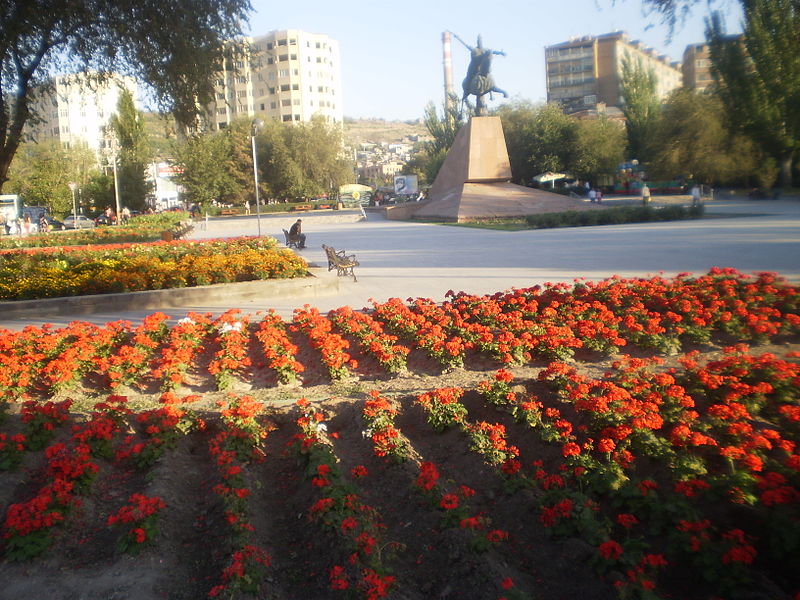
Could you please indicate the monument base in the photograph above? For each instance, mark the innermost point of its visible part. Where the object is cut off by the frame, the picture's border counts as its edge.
(473, 182)
(477, 201)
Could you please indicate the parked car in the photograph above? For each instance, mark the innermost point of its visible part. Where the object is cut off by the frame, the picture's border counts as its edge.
(78, 222)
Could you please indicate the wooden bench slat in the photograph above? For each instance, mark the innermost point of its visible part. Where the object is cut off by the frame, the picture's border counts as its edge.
(343, 263)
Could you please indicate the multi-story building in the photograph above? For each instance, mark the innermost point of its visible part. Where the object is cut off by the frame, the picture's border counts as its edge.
(587, 71)
(287, 75)
(697, 67)
(75, 109)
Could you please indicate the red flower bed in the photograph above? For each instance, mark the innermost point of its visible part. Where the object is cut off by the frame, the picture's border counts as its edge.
(667, 476)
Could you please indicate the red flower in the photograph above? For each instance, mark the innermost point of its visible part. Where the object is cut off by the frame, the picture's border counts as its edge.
(571, 449)
(359, 471)
(627, 520)
(139, 534)
(449, 501)
(610, 550)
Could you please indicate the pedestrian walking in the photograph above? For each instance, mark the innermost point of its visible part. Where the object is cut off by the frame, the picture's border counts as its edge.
(645, 194)
(695, 195)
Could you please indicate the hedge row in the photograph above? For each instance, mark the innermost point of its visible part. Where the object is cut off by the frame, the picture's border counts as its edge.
(614, 216)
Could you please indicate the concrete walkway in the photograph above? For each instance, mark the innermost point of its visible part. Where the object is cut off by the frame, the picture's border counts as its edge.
(400, 259)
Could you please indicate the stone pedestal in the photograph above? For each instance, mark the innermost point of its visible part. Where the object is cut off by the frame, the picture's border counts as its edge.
(474, 181)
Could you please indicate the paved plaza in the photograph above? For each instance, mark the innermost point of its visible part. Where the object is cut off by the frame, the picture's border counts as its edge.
(401, 259)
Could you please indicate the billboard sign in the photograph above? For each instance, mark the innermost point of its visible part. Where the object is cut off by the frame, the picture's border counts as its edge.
(406, 184)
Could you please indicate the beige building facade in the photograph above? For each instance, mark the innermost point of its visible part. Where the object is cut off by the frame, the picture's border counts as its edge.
(75, 109)
(587, 71)
(287, 75)
(696, 67)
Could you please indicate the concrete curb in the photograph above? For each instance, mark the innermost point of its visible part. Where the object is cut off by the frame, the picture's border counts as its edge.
(305, 287)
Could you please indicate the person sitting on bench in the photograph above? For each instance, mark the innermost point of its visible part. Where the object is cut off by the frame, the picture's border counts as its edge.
(295, 233)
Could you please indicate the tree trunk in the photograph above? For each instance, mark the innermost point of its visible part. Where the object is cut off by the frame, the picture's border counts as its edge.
(6, 156)
(786, 170)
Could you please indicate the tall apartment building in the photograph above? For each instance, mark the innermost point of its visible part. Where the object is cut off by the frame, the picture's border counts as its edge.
(289, 75)
(587, 71)
(696, 67)
(75, 109)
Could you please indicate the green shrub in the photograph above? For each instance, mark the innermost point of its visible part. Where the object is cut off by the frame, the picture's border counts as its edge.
(614, 216)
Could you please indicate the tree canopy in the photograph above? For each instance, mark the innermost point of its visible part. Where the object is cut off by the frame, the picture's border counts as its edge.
(641, 106)
(175, 46)
(128, 124)
(693, 140)
(758, 76)
(294, 161)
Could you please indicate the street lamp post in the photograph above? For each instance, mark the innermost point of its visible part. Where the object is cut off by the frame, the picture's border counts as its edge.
(255, 126)
(73, 186)
(112, 154)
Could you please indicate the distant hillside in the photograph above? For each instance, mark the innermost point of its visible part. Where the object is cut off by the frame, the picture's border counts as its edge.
(378, 130)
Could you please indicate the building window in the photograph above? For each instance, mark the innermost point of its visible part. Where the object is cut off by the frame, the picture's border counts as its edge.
(293, 57)
(292, 42)
(283, 57)
(286, 102)
(222, 124)
(287, 117)
(297, 117)
(272, 91)
(270, 61)
(263, 107)
(281, 42)
(295, 86)
(270, 45)
(273, 105)
(283, 73)
(285, 87)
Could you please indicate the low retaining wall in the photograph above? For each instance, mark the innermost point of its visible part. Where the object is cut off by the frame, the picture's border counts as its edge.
(301, 287)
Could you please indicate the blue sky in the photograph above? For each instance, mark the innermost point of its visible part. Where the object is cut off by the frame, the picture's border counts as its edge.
(391, 52)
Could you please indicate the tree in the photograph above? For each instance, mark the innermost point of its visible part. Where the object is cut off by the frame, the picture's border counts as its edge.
(41, 174)
(758, 76)
(443, 130)
(600, 149)
(640, 106)
(303, 160)
(174, 46)
(206, 169)
(538, 139)
(134, 156)
(693, 140)
(317, 148)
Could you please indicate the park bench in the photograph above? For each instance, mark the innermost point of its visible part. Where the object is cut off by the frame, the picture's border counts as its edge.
(291, 241)
(228, 212)
(343, 263)
(302, 207)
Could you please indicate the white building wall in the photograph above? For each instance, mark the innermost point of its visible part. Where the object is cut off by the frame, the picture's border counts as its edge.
(76, 110)
(290, 76)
